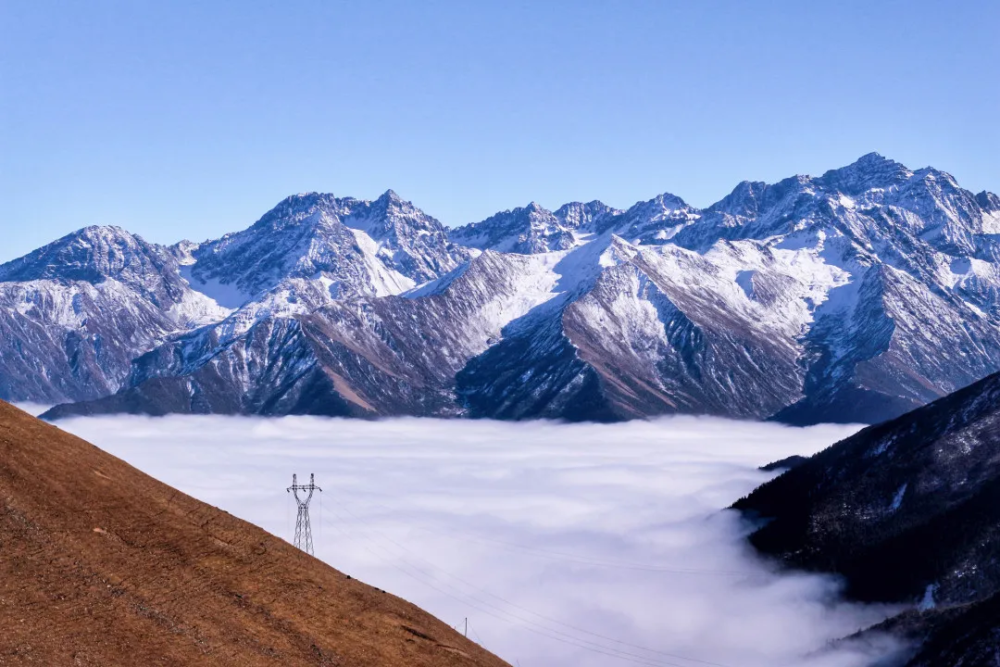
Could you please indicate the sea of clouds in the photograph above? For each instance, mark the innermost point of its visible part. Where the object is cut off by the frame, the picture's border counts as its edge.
(563, 545)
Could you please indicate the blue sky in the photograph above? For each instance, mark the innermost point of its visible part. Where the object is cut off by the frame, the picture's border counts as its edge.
(192, 119)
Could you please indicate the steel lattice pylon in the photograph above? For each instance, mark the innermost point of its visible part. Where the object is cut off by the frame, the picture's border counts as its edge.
(303, 531)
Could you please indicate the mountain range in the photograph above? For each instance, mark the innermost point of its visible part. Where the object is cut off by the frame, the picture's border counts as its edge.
(854, 296)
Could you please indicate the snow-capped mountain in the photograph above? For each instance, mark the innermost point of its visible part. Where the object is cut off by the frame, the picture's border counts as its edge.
(76, 313)
(79, 311)
(852, 296)
(369, 248)
(532, 229)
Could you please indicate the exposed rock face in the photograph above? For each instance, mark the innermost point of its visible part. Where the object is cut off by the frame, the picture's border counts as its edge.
(853, 296)
(532, 229)
(388, 356)
(370, 248)
(76, 313)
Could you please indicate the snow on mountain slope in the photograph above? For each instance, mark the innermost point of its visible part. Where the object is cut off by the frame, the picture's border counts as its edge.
(394, 355)
(110, 255)
(879, 349)
(990, 205)
(855, 295)
(369, 248)
(75, 313)
(92, 255)
(533, 229)
(653, 222)
(663, 330)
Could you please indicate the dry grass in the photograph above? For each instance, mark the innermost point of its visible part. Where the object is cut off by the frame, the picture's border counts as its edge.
(102, 565)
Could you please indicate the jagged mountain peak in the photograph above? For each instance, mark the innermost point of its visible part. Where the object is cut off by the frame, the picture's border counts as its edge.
(524, 230)
(934, 174)
(655, 221)
(392, 206)
(381, 246)
(301, 201)
(594, 207)
(742, 201)
(868, 172)
(794, 257)
(528, 211)
(183, 251)
(317, 207)
(988, 201)
(618, 251)
(664, 202)
(669, 200)
(322, 210)
(874, 161)
(880, 204)
(389, 215)
(91, 254)
(100, 233)
(591, 216)
(296, 210)
(534, 229)
(97, 235)
(389, 196)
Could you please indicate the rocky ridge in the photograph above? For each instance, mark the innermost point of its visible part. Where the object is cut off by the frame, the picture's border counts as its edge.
(853, 296)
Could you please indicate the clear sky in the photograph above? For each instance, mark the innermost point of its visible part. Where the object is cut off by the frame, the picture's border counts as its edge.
(191, 119)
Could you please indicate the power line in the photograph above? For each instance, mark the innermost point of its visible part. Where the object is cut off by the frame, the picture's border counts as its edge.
(532, 625)
(533, 613)
(454, 534)
(523, 624)
(507, 616)
(556, 555)
(475, 634)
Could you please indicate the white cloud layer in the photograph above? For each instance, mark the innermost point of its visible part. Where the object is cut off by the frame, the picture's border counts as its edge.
(33, 408)
(564, 545)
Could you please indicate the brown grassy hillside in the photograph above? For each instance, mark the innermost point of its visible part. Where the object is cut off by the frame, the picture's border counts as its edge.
(102, 565)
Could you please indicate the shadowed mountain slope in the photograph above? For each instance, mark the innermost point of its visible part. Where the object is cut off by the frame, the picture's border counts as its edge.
(102, 565)
(968, 636)
(907, 511)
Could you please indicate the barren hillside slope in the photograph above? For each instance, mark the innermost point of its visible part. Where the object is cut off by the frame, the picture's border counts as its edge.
(102, 565)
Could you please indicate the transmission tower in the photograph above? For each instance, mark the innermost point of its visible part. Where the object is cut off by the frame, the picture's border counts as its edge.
(303, 531)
